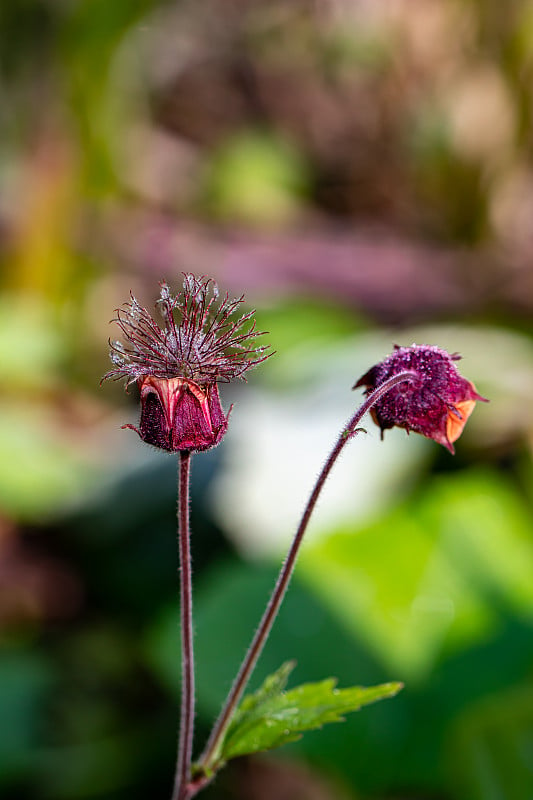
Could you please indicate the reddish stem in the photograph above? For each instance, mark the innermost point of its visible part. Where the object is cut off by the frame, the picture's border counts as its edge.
(208, 759)
(183, 763)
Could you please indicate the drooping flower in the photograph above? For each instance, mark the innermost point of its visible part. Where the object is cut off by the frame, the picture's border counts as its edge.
(177, 367)
(436, 403)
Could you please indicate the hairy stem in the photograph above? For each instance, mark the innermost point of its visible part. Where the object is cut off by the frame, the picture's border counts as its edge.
(183, 764)
(209, 756)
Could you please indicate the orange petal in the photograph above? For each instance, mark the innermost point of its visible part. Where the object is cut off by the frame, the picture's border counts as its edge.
(454, 425)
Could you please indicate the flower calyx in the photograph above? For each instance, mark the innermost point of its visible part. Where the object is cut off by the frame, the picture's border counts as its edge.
(177, 414)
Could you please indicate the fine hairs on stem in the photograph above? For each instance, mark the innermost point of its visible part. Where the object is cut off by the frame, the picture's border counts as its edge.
(265, 626)
(186, 732)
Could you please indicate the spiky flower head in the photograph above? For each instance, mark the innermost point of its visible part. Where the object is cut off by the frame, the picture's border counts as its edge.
(178, 365)
(201, 340)
(436, 403)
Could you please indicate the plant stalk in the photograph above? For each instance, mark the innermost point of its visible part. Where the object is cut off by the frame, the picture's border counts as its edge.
(183, 764)
(209, 756)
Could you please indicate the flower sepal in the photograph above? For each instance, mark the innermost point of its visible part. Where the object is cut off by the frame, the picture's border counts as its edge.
(178, 414)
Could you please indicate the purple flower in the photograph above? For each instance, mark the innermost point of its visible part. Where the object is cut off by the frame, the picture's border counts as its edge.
(177, 367)
(437, 403)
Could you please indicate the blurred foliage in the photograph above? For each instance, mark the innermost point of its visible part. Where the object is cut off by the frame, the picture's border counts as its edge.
(357, 168)
(254, 178)
(465, 549)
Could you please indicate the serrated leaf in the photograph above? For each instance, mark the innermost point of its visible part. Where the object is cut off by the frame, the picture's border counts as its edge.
(273, 685)
(272, 717)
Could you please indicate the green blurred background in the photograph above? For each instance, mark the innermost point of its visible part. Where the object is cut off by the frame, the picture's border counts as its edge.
(363, 171)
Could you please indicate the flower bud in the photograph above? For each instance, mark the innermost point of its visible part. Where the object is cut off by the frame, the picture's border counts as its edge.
(436, 404)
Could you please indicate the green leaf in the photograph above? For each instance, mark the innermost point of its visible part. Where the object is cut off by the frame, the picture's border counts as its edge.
(273, 685)
(273, 717)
